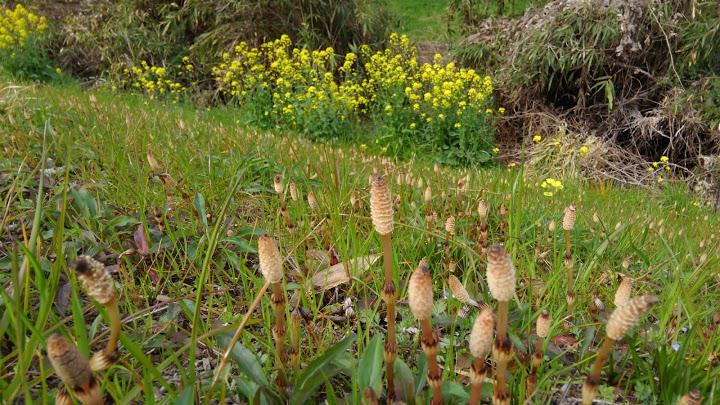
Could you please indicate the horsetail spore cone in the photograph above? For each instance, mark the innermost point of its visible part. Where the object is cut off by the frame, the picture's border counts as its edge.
(381, 213)
(420, 299)
(542, 328)
(621, 320)
(622, 294)
(74, 370)
(460, 292)
(691, 398)
(501, 282)
(480, 342)
(97, 282)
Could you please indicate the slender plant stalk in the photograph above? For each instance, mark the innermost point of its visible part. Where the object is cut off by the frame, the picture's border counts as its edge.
(568, 261)
(568, 225)
(476, 381)
(541, 330)
(277, 298)
(502, 351)
(501, 282)
(389, 295)
(295, 322)
(620, 321)
(480, 342)
(236, 336)
(430, 346)
(593, 380)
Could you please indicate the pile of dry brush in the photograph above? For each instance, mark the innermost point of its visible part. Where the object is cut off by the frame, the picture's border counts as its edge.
(640, 75)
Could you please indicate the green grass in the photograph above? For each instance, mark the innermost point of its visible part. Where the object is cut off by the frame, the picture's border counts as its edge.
(200, 268)
(422, 20)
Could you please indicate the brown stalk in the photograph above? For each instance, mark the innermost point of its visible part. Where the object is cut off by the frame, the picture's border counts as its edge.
(481, 340)
(390, 297)
(568, 225)
(541, 330)
(381, 213)
(430, 346)
(277, 298)
(501, 282)
(420, 299)
(295, 338)
(621, 320)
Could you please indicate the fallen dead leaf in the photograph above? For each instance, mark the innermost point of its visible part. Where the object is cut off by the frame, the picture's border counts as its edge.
(340, 273)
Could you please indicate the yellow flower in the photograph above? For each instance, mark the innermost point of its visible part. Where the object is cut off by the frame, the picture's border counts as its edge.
(496, 150)
(458, 125)
(537, 138)
(413, 125)
(511, 164)
(501, 110)
(664, 159)
(584, 149)
(548, 194)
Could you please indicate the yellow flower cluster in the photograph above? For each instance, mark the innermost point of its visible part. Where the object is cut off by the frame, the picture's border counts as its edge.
(17, 26)
(657, 167)
(156, 81)
(551, 186)
(299, 84)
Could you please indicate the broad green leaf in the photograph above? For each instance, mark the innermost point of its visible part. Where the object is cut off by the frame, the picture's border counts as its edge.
(320, 370)
(404, 381)
(199, 202)
(371, 365)
(245, 358)
(454, 393)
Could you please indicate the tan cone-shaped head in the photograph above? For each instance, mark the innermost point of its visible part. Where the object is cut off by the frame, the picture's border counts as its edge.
(622, 295)
(381, 209)
(69, 364)
(428, 194)
(482, 210)
(450, 226)
(625, 317)
(293, 191)
(551, 226)
(460, 292)
(312, 201)
(569, 218)
(691, 398)
(278, 184)
(542, 325)
(420, 295)
(500, 274)
(481, 336)
(270, 261)
(95, 279)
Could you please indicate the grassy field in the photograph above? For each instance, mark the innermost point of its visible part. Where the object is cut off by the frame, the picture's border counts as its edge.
(173, 199)
(423, 20)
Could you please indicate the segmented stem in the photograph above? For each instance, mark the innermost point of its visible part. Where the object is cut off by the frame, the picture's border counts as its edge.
(502, 352)
(277, 298)
(429, 346)
(389, 296)
(476, 380)
(590, 387)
